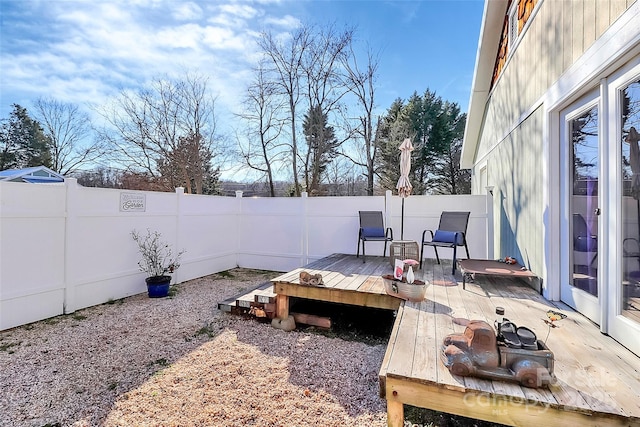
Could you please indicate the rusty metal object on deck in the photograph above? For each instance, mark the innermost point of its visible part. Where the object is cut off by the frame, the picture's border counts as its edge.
(311, 279)
(477, 353)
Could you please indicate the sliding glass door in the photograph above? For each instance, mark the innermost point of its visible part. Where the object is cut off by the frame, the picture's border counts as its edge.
(581, 139)
(623, 308)
(600, 215)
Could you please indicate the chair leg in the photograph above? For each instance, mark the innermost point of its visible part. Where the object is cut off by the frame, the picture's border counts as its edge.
(467, 248)
(363, 255)
(437, 257)
(422, 253)
(385, 249)
(453, 268)
(358, 250)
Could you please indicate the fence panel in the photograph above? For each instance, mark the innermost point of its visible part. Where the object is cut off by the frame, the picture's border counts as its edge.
(32, 241)
(270, 233)
(333, 224)
(207, 231)
(66, 247)
(423, 212)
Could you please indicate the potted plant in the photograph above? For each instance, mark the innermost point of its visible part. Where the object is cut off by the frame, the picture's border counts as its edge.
(157, 260)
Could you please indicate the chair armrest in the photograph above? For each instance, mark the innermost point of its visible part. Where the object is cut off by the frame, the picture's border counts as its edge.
(424, 233)
(464, 238)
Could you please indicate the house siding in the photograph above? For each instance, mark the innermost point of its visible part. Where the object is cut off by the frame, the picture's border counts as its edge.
(511, 140)
(546, 49)
(514, 170)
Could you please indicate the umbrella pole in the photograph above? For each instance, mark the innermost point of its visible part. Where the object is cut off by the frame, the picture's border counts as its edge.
(402, 222)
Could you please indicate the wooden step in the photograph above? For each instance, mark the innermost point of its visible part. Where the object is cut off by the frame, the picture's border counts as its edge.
(261, 297)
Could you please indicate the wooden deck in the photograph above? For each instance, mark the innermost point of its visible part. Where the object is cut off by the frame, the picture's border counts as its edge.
(598, 379)
(347, 280)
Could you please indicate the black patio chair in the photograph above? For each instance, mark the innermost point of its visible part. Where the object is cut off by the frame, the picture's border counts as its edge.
(583, 240)
(372, 229)
(451, 233)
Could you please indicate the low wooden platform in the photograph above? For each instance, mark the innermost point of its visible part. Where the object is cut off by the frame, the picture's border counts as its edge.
(470, 268)
(598, 379)
(347, 280)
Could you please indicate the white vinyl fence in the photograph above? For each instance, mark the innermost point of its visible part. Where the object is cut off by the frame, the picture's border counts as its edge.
(66, 247)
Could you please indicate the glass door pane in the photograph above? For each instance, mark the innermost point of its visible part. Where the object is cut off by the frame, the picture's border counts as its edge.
(623, 287)
(584, 201)
(631, 201)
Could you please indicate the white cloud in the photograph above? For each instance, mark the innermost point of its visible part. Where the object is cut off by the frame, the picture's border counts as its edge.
(184, 36)
(286, 22)
(187, 11)
(89, 52)
(240, 10)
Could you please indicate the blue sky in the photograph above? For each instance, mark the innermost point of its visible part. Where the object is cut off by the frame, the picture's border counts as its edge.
(85, 52)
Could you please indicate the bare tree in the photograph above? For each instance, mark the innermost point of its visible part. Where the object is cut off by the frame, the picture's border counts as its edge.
(285, 62)
(324, 90)
(361, 83)
(262, 108)
(166, 127)
(344, 179)
(69, 131)
(101, 176)
(188, 165)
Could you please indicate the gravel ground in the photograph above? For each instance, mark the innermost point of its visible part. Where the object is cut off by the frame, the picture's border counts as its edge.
(178, 361)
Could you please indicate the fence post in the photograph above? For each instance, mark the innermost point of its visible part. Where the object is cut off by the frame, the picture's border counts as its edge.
(238, 222)
(70, 236)
(388, 209)
(179, 219)
(305, 227)
(489, 228)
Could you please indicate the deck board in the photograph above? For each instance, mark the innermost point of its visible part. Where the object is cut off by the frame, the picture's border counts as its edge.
(404, 346)
(425, 348)
(598, 379)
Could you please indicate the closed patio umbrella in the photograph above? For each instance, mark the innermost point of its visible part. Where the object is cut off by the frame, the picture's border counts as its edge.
(634, 160)
(404, 185)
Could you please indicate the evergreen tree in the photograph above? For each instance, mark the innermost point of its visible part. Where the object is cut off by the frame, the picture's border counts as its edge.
(436, 128)
(323, 146)
(22, 141)
(448, 177)
(392, 130)
(188, 165)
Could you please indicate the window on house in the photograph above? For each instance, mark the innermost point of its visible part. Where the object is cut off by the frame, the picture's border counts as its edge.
(513, 24)
(515, 20)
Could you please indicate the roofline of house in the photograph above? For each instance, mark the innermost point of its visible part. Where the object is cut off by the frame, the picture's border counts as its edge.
(488, 44)
(19, 173)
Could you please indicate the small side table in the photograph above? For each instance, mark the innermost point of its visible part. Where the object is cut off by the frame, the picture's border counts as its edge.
(403, 249)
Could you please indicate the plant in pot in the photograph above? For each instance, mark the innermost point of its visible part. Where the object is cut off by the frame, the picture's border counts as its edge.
(157, 260)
